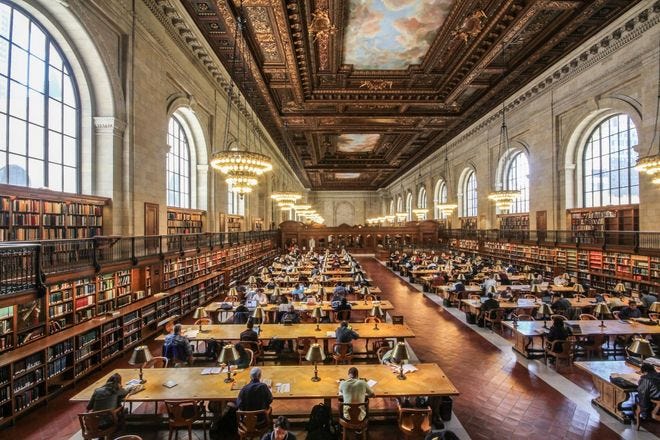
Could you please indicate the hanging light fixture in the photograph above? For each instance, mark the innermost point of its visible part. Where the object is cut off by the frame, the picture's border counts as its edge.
(446, 209)
(503, 198)
(650, 164)
(420, 213)
(286, 199)
(240, 166)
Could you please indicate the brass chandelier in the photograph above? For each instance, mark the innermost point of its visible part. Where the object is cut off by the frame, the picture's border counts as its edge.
(240, 166)
(503, 198)
(286, 199)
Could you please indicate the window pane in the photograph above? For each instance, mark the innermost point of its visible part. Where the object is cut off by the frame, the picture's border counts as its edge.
(70, 184)
(17, 133)
(54, 147)
(36, 141)
(55, 177)
(54, 115)
(69, 95)
(70, 151)
(20, 30)
(17, 171)
(18, 100)
(55, 83)
(54, 58)
(36, 173)
(3, 168)
(19, 63)
(5, 17)
(4, 56)
(3, 133)
(37, 110)
(70, 125)
(37, 74)
(37, 42)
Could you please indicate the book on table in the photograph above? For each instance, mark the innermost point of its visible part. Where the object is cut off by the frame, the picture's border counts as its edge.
(170, 384)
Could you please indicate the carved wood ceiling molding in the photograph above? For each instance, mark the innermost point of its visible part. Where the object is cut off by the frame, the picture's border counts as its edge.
(302, 90)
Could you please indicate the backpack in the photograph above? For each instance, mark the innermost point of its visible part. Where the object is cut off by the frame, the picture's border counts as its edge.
(225, 427)
(321, 425)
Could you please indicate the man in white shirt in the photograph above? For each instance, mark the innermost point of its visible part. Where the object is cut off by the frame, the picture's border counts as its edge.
(560, 280)
(355, 390)
(489, 284)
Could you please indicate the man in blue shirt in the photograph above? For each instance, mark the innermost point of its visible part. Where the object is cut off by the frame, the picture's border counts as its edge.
(298, 293)
(255, 395)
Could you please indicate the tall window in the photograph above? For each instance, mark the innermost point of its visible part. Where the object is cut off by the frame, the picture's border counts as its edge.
(178, 165)
(421, 198)
(609, 161)
(39, 107)
(440, 197)
(399, 204)
(517, 178)
(236, 205)
(470, 196)
(409, 208)
(391, 207)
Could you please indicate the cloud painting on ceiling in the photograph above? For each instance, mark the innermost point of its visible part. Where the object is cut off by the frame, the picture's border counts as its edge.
(347, 175)
(391, 34)
(357, 143)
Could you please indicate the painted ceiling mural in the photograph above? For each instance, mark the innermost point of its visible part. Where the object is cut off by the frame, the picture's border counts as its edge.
(391, 34)
(357, 143)
(344, 176)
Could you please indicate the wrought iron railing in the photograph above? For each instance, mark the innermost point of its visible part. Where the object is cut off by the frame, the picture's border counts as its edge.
(19, 268)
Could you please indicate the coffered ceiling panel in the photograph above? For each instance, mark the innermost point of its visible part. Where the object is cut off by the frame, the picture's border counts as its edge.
(357, 92)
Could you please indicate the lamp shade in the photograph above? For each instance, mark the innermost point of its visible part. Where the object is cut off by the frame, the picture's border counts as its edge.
(232, 292)
(602, 309)
(460, 277)
(655, 307)
(376, 311)
(228, 354)
(140, 355)
(200, 312)
(315, 353)
(400, 352)
(258, 313)
(317, 313)
(276, 291)
(578, 288)
(641, 347)
(252, 279)
(366, 291)
(620, 288)
(545, 309)
(530, 276)
(526, 268)
(536, 288)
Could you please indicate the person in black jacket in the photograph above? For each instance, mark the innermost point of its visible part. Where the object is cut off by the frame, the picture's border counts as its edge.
(648, 389)
(558, 332)
(488, 305)
(280, 430)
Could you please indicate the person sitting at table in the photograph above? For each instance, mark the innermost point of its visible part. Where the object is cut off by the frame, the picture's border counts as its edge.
(261, 297)
(488, 305)
(270, 284)
(299, 292)
(343, 305)
(177, 346)
(459, 287)
(558, 331)
(632, 311)
(344, 334)
(538, 279)
(648, 389)
(546, 296)
(280, 430)
(251, 293)
(243, 357)
(647, 299)
(560, 305)
(109, 396)
(489, 284)
(241, 313)
(255, 395)
(507, 294)
(355, 390)
(249, 334)
(559, 280)
(291, 316)
(504, 279)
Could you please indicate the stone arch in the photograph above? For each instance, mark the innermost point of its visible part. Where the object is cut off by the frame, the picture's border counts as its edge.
(345, 212)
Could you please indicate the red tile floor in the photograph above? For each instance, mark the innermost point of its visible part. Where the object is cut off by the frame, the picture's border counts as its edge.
(499, 397)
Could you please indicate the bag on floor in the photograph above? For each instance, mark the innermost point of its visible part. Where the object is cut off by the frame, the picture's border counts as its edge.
(320, 425)
(225, 427)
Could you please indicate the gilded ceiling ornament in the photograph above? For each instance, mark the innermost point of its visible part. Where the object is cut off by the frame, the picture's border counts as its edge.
(378, 84)
(471, 26)
(321, 27)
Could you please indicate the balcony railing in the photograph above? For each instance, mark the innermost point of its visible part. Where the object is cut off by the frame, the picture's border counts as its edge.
(23, 265)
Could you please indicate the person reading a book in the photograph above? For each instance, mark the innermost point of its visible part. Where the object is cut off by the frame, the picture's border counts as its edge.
(177, 346)
(355, 390)
(109, 396)
(280, 430)
(255, 395)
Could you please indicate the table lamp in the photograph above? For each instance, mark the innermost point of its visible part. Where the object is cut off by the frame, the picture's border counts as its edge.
(602, 310)
(401, 355)
(252, 280)
(641, 347)
(258, 314)
(527, 268)
(232, 292)
(315, 354)
(200, 313)
(620, 288)
(578, 288)
(318, 314)
(530, 276)
(140, 356)
(322, 293)
(377, 312)
(655, 307)
(460, 277)
(536, 288)
(545, 310)
(365, 291)
(227, 356)
(276, 291)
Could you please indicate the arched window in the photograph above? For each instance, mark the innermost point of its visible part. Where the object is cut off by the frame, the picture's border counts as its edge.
(178, 165)
(609, 161)
(399, 204)
(440, 197)
(421, 198)
(517, 178)
(236, 205)
(409, 206)
(469, 202)
(39, 107)
(391, 207)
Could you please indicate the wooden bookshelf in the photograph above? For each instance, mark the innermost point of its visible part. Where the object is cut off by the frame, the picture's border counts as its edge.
(231, 223)
(185, 221)
(615, 218)
(30, 214)
(85, 321)
(469, 223)
(514, 222)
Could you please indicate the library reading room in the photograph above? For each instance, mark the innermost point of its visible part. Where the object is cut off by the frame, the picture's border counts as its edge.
(329, 219)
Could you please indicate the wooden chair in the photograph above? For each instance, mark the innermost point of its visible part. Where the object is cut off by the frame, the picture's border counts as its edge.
(414, 422)
(342, 352)
(256, 349)
(616, 314)
(250, 354)
(474, 297)
(560, 350)
(397, 319)
(587, 317)
(129, 437)
(369, 297)
(530, 296)
(592, 344)
(182, 414)
(155, 362)
(655, 413)
(253, 423)
(342, 315)
(525, 317)
(562, 317)
(372, 319)
(100, 424)
(495, 316)
(302, 346)
(654, 316)
(350, 418)
(381, 352)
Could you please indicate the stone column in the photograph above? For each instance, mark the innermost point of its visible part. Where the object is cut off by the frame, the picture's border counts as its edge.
(106, 174)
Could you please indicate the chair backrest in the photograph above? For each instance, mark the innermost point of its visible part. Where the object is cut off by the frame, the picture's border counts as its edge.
(496, 314)
(529, 296)
(342, 348)
(96, 424)
(302, 344)
(157, 362)
(562, 317)
(129, 437)
(177, 414)
(231, 298)
(342, 315)
(372, 319)
(253, 421)
(204, 321)
(473, 296)
(616, 314)
(381, 352)
(587, 317)
(240, 317)
(525, 317)
(253, 346)
(351, 413)
(250, 354)
(560, 347)
(369, 297)
(397, 319)
(416, 420)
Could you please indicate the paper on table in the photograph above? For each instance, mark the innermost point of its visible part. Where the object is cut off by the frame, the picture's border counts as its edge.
(409, 368)
(214, 370)
(133, 382)
(331, 334)
(283, 387)
(372, 383)
(192, 333)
